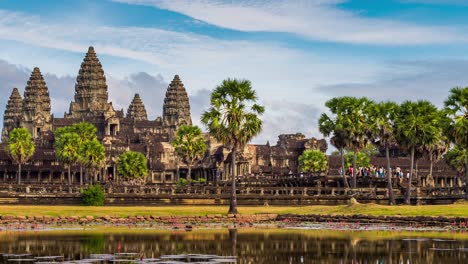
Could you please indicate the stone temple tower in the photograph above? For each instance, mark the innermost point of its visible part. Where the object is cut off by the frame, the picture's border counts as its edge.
(13, 113)
(36, 105)
(176, 108)
(90, 89)
(137, 109)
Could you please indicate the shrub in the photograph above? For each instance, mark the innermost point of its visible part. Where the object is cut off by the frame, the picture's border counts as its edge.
(181, 182)
(93, 196)
(200, 180)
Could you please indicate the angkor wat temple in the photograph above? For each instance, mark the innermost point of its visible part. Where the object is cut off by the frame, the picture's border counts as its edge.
(120, 132)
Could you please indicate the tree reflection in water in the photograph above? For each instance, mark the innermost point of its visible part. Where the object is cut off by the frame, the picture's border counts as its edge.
(251, 246)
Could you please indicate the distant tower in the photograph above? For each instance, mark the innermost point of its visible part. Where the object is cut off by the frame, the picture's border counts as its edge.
(90, 89)
(13, 113)
(176, 108)
(36, 105)
(137, 110)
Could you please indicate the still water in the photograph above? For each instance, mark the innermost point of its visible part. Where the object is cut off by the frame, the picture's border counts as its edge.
(248, 245)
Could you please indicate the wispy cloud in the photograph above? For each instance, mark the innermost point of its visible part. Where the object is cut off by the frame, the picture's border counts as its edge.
(318, 20)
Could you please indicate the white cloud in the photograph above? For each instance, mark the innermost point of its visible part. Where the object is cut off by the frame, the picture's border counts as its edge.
(317, 20)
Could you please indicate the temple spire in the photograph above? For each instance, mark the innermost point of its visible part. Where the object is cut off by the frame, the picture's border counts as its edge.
(36, 104)
(91, 95)
(137, 110)
(176, 108)
(13, 113)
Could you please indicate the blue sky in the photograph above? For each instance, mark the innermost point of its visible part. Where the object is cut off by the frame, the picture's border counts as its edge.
(297, 54)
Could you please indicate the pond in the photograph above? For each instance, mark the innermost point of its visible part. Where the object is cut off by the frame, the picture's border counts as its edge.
(232, 246)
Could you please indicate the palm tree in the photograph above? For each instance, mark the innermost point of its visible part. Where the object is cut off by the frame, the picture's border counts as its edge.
(382, 135)
(417, 125)
(92, 156)
(66, 148)
(340, 139)
(86, 132)
(20, 147)
(190, 146)
(233, 120)
(456, 107)
(132, 164)
(352, 116)
(356, 123)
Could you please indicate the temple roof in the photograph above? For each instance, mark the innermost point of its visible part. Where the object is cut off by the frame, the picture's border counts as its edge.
(137, 110)
(90, 88)
(176, 108)
(36, 96)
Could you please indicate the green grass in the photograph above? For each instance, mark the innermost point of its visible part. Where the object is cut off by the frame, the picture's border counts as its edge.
(459, 209)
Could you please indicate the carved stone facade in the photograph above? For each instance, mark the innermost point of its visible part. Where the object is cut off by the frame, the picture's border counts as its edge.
(133, 131)
(137, 110)
(13, 113)
(36, 105)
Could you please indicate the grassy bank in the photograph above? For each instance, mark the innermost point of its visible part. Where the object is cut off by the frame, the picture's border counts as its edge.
(460, 209)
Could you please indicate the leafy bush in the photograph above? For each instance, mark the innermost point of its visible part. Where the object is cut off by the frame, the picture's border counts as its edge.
(93, 196)
(313, 160)
(199, 180)
(181, 182)
(132, 165)
(362, 159)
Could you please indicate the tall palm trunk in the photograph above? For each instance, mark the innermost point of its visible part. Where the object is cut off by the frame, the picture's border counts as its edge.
(189, 174)
(69, 174)
(354, 168)
(19, 173)
(81, 175)
(466, 175)
(431, 163)
(408, 190)
(391, 196)
(345, 181)
(233, 198)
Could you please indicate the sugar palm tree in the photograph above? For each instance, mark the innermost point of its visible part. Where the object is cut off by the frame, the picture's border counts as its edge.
(233, 119)
(92, 156)
(356, 122)
(132, 164)
(456, 108)
(66, 148)
(382, 135)
(190, 146)
(20, 147)
(340, 139)
(86, 132)
(417, 125)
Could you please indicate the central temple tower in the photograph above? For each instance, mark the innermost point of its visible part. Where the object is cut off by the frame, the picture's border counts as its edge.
(91, 97)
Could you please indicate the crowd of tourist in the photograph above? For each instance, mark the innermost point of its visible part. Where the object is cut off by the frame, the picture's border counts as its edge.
(375, 171)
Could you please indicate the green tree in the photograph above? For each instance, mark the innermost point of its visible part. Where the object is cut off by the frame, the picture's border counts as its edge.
(333, 126)
(348, 124)
(190, 146)
(456, 108)
(313, 160)
(66, 148)
(382, 134)
(417, 125)
(20, 147)
(456, 158)
(132, 164)
(233, 119)
(92, 156)
(86, 132)
(360, 159)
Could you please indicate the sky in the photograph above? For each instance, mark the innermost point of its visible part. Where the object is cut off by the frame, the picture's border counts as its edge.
(297, 54)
